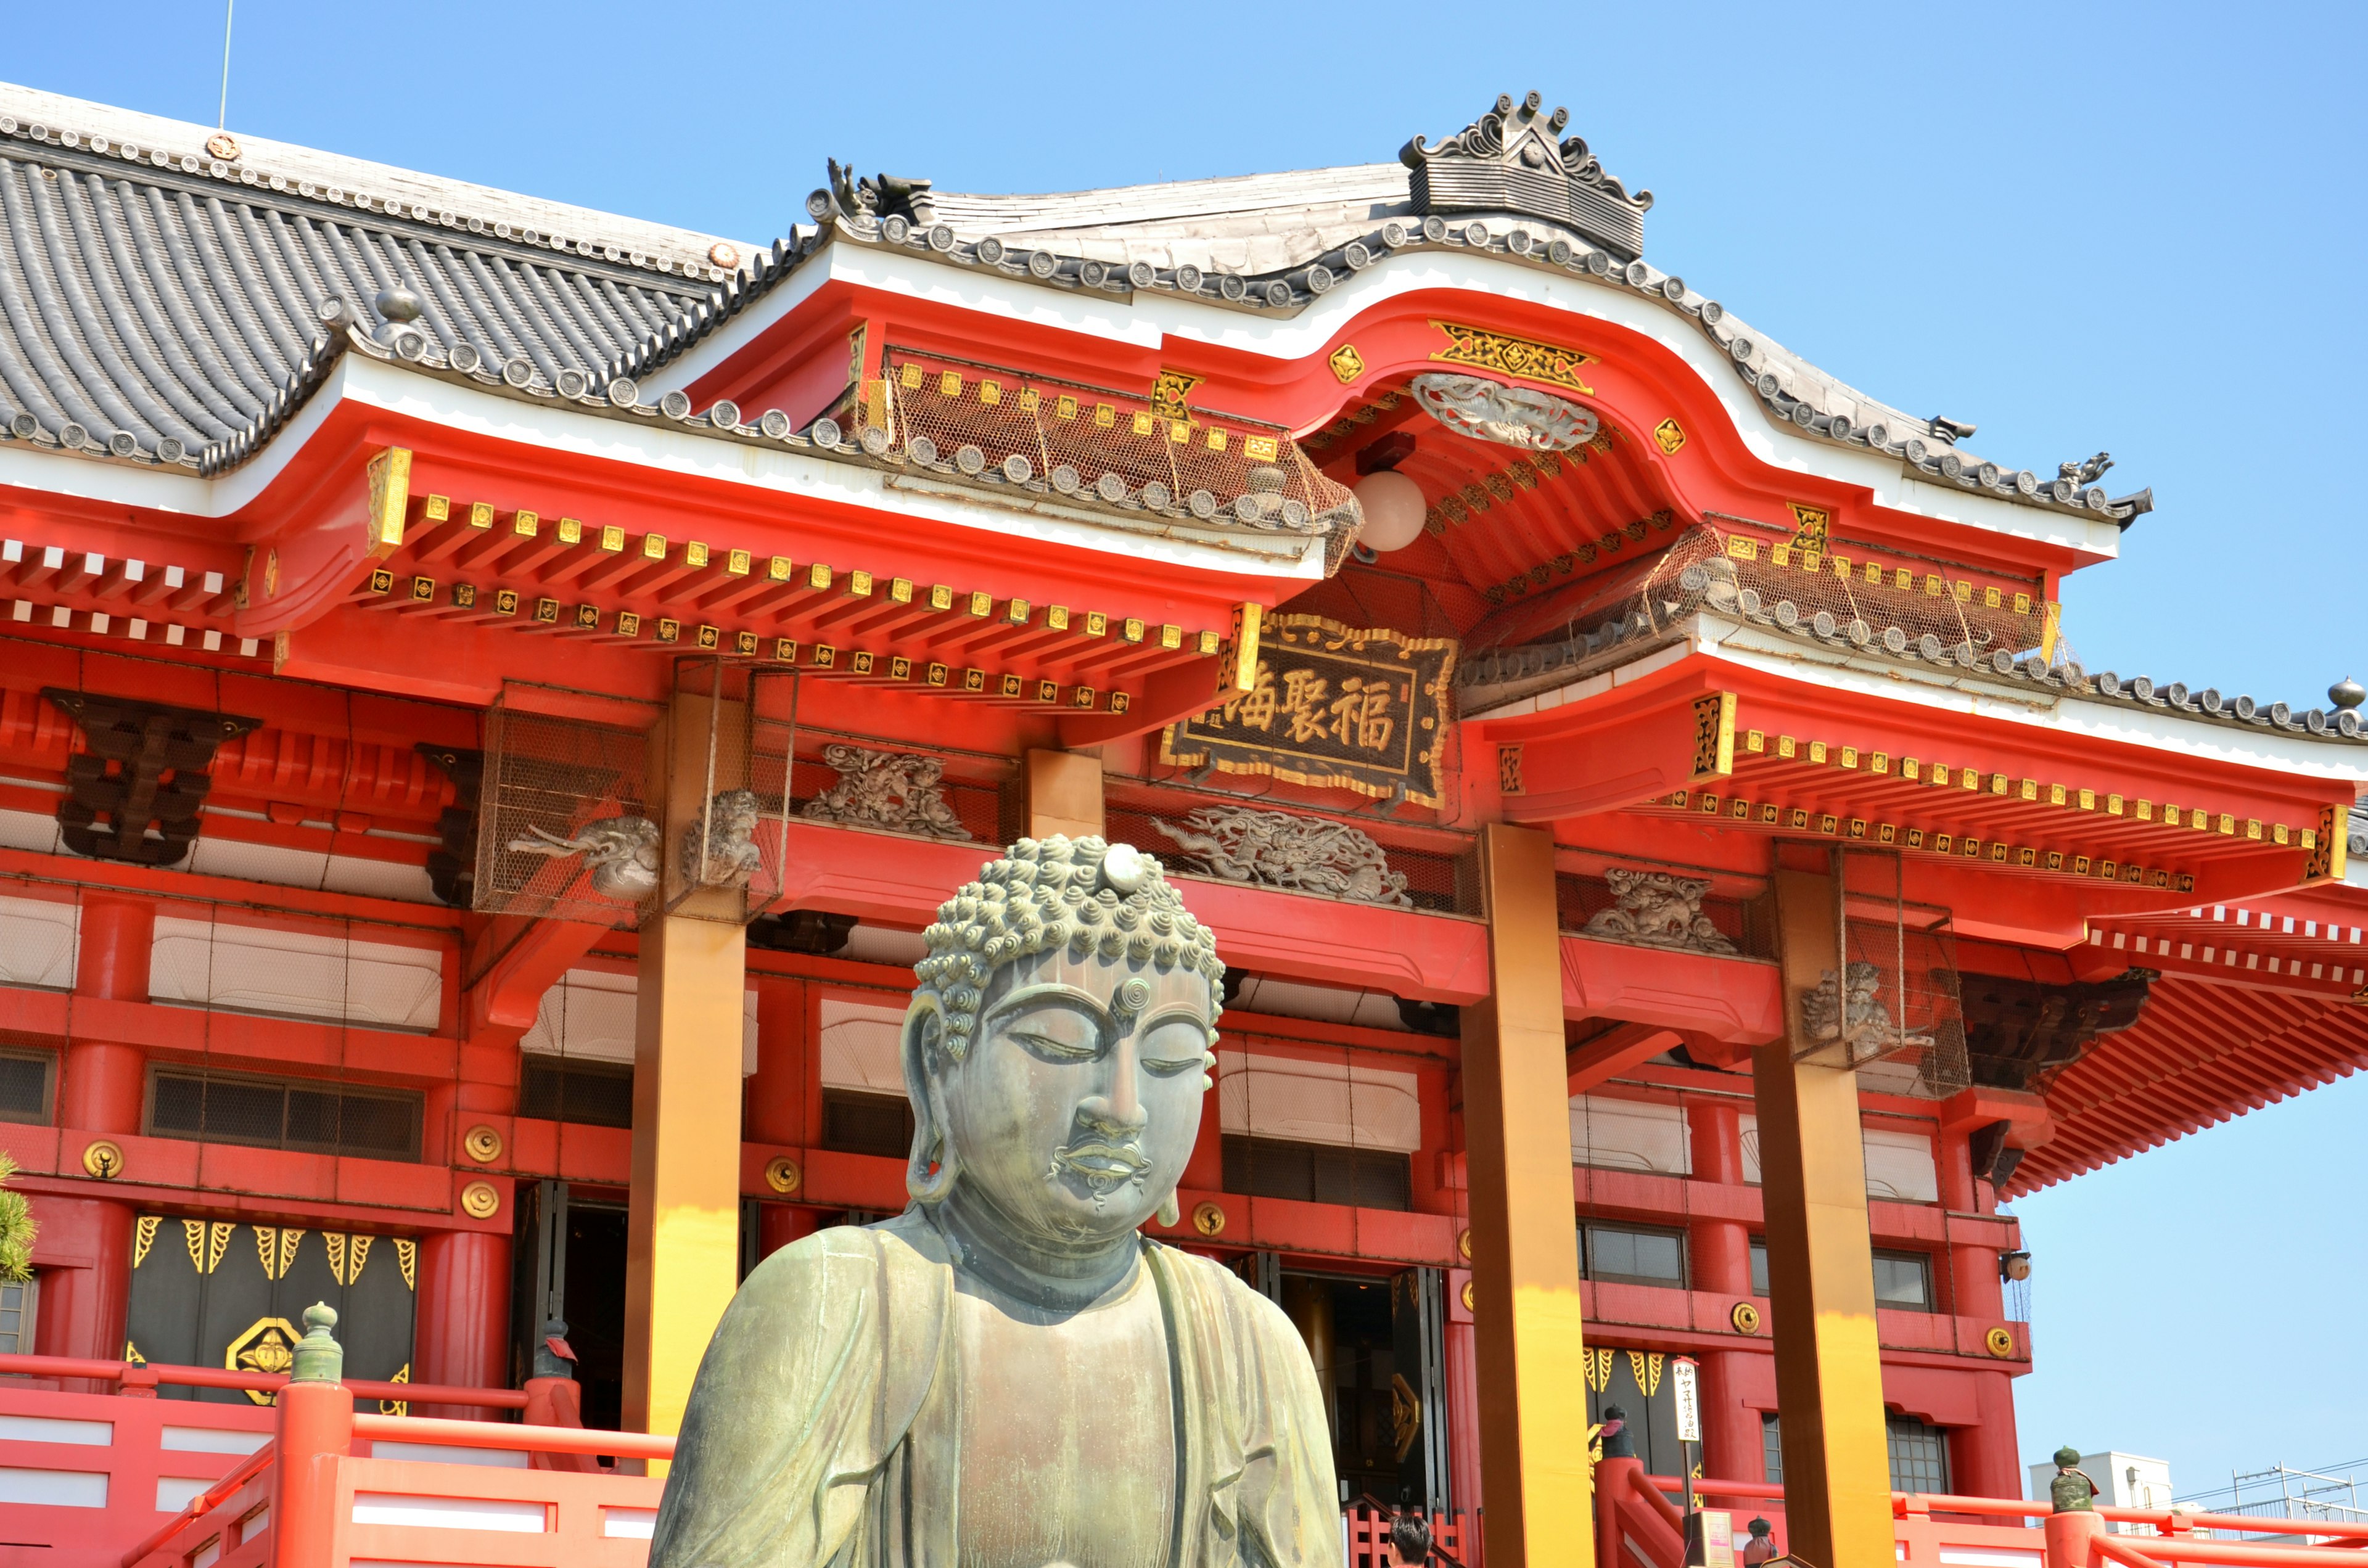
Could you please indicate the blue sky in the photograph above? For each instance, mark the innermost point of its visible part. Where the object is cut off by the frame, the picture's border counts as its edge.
(2134, 228)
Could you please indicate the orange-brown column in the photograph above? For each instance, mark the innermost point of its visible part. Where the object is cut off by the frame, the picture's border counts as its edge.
(682, 1254)
(1065, 794)
(1820, 1267)
(1524, 1238)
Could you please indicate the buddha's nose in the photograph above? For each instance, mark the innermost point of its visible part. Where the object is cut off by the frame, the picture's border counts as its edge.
(1119, 1112)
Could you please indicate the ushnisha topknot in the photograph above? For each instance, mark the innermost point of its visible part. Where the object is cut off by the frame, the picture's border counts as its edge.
(1085, 894)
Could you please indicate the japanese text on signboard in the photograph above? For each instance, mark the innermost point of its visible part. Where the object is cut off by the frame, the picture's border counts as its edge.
(1329, 705)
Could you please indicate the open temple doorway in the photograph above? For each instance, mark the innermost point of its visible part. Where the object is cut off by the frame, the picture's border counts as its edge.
(570, 1266)
(1377, 1342)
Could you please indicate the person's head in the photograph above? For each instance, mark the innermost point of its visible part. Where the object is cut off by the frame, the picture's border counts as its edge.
(1058, 1045)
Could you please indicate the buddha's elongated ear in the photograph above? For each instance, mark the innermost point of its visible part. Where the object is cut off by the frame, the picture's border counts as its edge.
(932, 1170)
(1169, 1210)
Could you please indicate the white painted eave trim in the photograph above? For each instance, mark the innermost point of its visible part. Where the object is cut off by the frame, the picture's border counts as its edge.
(1969, 695)
(656, 446)
(1150, 318)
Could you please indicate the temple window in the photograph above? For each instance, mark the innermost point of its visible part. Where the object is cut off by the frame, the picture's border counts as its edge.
(1903, 1281)
(1899, 1164)
(1629, 1135)
(1919, 1455)
(16, 1318)
(857, 1123)
(1624, 1254)
(864, 1110)
(25, 1078)
(592, 1094)
(1315, 1126)
(37, 940)
(306, 1114)
(1317, 1173)
(303, 969)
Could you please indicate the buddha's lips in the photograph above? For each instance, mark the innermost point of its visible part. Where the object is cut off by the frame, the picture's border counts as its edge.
(1103, 1162)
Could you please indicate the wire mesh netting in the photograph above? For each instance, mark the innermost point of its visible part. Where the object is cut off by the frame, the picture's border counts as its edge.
(566, 828)
(997, 425)
(1893, 1011)
(1194, 837)
(1653, 907)
(1852, 597)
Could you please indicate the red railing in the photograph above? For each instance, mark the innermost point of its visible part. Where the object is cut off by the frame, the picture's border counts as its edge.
(316, 1504)
(1365, 1533)
(1641, 1523)
(143, 1378)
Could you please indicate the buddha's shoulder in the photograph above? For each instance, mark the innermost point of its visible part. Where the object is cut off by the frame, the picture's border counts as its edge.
(846, 1258)
(1219, 1285)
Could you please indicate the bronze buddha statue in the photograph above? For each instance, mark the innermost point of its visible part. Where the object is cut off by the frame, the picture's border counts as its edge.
(1008, 1375)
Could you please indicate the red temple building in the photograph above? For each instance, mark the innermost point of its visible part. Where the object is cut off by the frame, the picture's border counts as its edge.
(490, 693)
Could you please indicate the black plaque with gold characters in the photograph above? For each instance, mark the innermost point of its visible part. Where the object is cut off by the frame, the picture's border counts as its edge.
(210, 1293)
(1364, 710)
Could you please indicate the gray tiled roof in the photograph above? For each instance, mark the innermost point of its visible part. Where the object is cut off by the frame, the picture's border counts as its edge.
(158, 298)
(155, 311)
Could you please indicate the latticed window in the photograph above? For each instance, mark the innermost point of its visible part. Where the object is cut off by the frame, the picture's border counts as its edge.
(1317, 1173)
(1919, 1455)
(859, 1123)
(592, 1094)
(1622, 1255)
(307, 1114)
(16, 1319)
(24, 1078)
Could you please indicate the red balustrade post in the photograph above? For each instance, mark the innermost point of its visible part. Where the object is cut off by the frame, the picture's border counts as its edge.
(1615, 1475)
(2071, 1539)
(316, 1427)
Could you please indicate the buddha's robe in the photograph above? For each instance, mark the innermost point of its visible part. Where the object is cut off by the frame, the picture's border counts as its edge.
(837, 1359)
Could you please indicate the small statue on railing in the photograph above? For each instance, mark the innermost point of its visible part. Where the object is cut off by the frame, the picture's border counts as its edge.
(2072, 1490)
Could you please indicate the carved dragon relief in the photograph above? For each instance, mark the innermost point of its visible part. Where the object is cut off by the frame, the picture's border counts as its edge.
(1659, 909)
(732, 856)
(1849, 1016)
(1301, 854)
(621, 853)
(900, 791)
(1513, 417)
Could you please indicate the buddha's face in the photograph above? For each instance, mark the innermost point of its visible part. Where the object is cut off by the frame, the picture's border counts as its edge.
(1077, 1104)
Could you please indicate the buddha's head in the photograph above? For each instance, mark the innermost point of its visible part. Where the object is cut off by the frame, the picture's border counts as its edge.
(1059, 1042)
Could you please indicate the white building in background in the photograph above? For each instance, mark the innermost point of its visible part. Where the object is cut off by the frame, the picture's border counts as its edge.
(2123, 1480)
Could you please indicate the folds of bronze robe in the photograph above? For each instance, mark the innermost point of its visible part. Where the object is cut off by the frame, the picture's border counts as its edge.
(797, 1449)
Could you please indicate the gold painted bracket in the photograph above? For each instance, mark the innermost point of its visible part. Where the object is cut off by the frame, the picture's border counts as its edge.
(390, 500)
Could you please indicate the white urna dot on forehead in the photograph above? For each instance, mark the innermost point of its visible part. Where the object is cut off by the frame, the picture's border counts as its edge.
(1124, 868)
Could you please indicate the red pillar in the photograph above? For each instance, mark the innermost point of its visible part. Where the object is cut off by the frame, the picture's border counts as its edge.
(773, 1100)
(1463, 1424)
(100, 1087)
(778, 1225)
(84, 1301)
(1982, 1458)
(1720, 1252)
(462, 1339)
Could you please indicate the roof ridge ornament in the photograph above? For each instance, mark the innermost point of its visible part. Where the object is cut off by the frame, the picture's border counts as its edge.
(1508, 161)
(879, 199)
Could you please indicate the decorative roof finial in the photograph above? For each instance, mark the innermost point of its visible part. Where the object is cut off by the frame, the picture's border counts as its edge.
(1508, 161)
(2347, 693)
